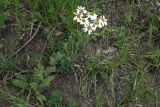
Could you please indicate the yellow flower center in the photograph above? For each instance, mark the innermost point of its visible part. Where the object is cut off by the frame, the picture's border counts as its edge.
(91, 13)
(81, 10)
(97, 22)
(78, 15)
(103, 20)
(83, 20)
(89, 27)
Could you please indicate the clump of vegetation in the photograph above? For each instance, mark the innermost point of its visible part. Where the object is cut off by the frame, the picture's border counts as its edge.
(33, 83)
(55, 99)
(72, 103)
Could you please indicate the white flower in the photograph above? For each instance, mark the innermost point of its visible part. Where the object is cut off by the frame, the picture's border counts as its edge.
(81, 10)
(98, 23)
(89, 20)
(92, 15)
(77, 17)
(104, 20)
(89, 28)
(84, 21)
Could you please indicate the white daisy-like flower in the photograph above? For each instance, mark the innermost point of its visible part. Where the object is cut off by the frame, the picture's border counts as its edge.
(78, 16)
(98, 23)
(81, 10)
(104, 20)
(89, 28)
(84, 21)
(92, 15)
(89, 20)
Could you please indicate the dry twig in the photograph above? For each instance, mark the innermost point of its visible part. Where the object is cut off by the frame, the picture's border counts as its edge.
(18, 50)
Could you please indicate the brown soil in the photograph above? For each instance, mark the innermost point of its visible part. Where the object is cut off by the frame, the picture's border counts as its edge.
(69, 88)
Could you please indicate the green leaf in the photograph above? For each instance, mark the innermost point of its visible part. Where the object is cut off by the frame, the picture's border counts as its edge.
(34, 86)
(41, 98)
(46, 82)
(3, 18)
(19, 83)
(3, 3)
(54, 99)
(38, 74)
(72, 103)
(64, 64)
(120, 38)
(1, 46)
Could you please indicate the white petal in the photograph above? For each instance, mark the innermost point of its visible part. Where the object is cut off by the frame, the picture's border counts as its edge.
(103, 24)
(94, 28)
(87, 22)
(75, 18)
(99, 26)
(89, 32)
(85, 29)
(78, 11)
(78, 20)
(91, 24)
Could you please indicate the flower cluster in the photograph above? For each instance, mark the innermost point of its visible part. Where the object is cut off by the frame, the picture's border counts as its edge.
(89, 20)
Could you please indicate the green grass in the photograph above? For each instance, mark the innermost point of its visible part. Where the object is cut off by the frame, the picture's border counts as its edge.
(116, 66)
